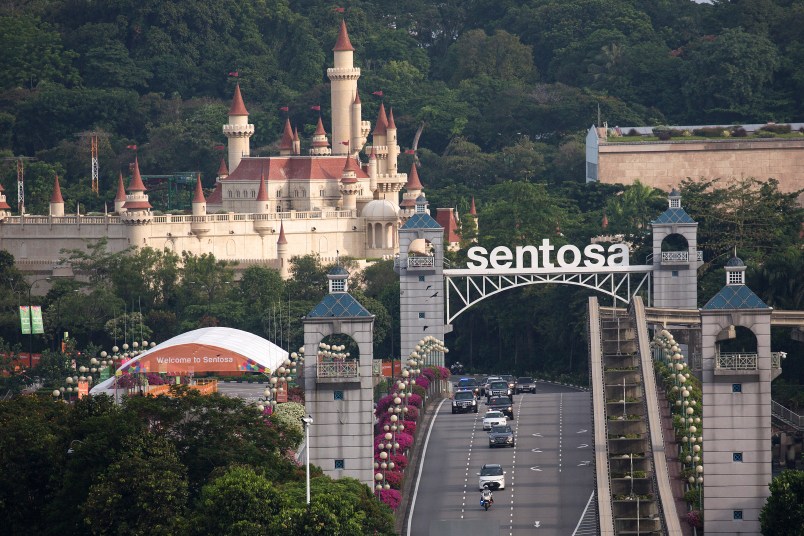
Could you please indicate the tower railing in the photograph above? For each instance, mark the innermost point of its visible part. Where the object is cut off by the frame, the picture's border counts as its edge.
(736, 361)
(337, 369)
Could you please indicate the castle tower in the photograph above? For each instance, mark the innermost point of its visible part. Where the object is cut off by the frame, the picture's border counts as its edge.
(296, 142)
(320, 144)
(238, 130)
(120, 198)
(675, 257)
(138, 210)
(56, 200)
(379, 140)
(736, 383)
(372, 173)
(5, 209)
(262, 224)
(349, 186)
(358, 138)
(343, 77)
(413, 189)
(223, 171)
(282, 252)
(199, 225)
(338, 390)
(391, 142)
(286, 143)
(420, 266)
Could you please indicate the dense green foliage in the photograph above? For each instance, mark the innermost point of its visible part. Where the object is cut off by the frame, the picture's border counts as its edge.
(185, 465)
(783, 513)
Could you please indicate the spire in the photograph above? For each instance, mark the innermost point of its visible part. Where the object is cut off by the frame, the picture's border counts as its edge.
(238, 108)
(262, 193)
(413, 179)
(372, 156)
(136, 184)
(343, 42)
(223, 171)
(320, 135)
(357, 97)
(286, 143)
(391, 123)
(605, 222)
(472, 209)
(295, 134)
(382, 122)
(282, 240)
(121, 189)
(351, 166)
(56, 197)
(199, 192)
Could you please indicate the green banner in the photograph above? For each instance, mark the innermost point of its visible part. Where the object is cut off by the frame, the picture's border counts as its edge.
(25, 319)
(36, 319)
(105, 373)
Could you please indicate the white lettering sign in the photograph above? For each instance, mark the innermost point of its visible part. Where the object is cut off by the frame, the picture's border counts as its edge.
(568, 256)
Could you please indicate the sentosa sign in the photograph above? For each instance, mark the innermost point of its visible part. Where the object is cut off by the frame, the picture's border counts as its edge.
(531, 257)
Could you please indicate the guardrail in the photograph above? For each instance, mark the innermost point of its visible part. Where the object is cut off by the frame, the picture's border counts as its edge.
(787, 416)
(736, 361)
(337, 369)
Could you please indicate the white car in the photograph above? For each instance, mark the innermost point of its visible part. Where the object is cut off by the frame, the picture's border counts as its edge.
(494, 418)
(491, 475)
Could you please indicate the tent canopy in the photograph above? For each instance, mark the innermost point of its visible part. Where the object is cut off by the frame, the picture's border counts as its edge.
(209, 350)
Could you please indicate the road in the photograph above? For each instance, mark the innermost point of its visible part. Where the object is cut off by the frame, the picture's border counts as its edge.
(549, 475)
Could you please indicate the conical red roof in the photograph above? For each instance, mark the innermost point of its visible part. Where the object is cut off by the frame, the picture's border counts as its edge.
(357, 97)
(319, 128)
(121, 189)
(287, 137)
(472, 210)
(238, 108)
(262, 193)
(56, 197)
(320, 136)
(605, 222)
(282, 240)
(382, 122)
(3, 204)
(391, 123)
(343, 42)
(223, 170)
(350, 165)
(136, 184)
(413, 179)
(295, 134)
(199, 192)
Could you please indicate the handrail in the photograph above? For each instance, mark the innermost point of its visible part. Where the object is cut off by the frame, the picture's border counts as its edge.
(787, 416)
(337, 369)
(598, 384)
(736, 361)
(667, 504)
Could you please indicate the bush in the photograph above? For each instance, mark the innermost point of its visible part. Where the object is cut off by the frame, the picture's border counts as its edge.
(709, 132)
(429, 373)
(692, 496)
(633, 132)
(739, 132)
(776, 129)
(413, 413)
(663, 135)
(383, 404)
(415, 400)
(391, 498)
(410, 426)
(695, 518)
(444, 373)
(394, 478)
(400, 460)
(404, 439)
(418, 390)
(422, 382)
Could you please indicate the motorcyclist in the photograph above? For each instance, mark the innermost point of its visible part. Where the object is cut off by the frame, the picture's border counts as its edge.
(486, 497)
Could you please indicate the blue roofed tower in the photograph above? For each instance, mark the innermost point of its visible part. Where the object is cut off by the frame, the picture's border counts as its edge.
(338, 385)
(420, 266)
(675, 257)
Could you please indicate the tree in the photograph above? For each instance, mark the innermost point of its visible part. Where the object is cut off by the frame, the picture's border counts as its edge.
(500, 56)
(783, 513)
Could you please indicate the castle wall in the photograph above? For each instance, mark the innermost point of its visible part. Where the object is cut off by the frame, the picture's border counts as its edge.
(663, 165)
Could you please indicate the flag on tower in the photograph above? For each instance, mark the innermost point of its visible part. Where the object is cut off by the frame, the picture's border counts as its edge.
(132, 147)
(339, 9)
(410, 151)
(284, 108)
(219, 147)
(377, 93)
(345, 142)
(234, 74)
(317, 108)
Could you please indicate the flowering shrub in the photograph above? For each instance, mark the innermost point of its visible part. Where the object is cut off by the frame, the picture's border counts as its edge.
(289, 414)
(410, 427)
(429, 373)
(391, 497)
(394, 478)
(418, 390)
(695, 518)
(415, 400)
(412, 414)
(422, 382)
(384, 403)
(296, 394)
(400, 461)
(405, 440)
(443, 372)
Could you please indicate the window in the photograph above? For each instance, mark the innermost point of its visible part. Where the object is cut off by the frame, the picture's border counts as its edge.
(339, 464)
(238, 194)
(339, 285)
(675, 273)
(338, 395)
(738, 515)
(304, 192)
(253, 193)
(295, 193)
(736, 388)
(230, 194)
(421, 315)
(421, 279)
(279, 193)
(321, 193)
(737, 456)
(735, 278)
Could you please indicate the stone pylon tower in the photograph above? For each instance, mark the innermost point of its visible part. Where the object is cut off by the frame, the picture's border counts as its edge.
(343, 77)
(737, 407)
(238, 130)
(420, 266)
(339, 392)
(675, 257)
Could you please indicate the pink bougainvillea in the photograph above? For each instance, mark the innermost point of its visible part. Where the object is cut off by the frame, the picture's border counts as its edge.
(429, 373)
(415, 400)
(394, 478)
(410, 426)
(412, 413)
(391, 497)
(405, 440)
(443, 372)
(400, 461)
(383, 404)
(423, 382)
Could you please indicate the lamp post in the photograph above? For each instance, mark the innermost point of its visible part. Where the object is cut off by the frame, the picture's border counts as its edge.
(30, 320)
(307, 421)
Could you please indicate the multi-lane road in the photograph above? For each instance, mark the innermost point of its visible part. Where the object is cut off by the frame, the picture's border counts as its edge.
(549, 473)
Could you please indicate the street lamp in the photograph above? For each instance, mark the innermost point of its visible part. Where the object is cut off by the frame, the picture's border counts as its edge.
(307, 421)
(30, 320)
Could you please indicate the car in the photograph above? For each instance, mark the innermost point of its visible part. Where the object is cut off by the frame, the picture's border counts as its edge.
(511, 381)
(499, 388)
(482, 384)
(501, 403)
(501, 436)
(491, 475)
(464, 402)
(525, 383)
(486, 383)
(493, 418)
(469, 384)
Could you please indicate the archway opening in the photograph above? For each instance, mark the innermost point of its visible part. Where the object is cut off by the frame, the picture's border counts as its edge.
(675, 242)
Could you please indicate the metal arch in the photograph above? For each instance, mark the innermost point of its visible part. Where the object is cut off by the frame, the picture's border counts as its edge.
(479, 285)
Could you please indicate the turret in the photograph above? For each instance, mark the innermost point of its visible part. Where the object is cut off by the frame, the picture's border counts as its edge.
(343, 77)
(120, 198)
(5, 209)
(137, 213)
(223, 171)
(296, 142)
(413, 188)
(286, 143)
(320, 144)
(391, 142)
(349, 186)
(199, 225)
(56, 201)
(238, 130)
(379, 140)
(372, 172)
(357, 120)
(261, 222)
(282, 252)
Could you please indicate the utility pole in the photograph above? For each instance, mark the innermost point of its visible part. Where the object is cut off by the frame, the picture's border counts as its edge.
(93, 140)
(20, 160)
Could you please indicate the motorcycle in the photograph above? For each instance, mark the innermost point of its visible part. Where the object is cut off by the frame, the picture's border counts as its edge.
(486, 498)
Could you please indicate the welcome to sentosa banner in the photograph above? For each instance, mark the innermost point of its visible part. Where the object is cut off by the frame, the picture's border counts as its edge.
(221, 350)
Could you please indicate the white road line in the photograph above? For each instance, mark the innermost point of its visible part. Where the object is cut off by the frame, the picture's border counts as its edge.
(583, 513)
(421, 465)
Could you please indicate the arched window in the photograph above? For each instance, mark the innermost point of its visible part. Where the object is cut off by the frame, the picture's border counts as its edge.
(304, 192)
(253, 194)
(230, 194)
(295, 193)
(238, 194)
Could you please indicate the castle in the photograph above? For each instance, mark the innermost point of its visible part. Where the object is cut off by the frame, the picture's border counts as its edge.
(267, 209)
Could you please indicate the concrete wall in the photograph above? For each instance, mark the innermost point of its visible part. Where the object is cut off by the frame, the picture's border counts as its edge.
(675, 286)
(665, 164)
(736, 422)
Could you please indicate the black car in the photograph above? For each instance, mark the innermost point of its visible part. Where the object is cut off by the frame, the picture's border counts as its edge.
(464, 401)
(525, 383)
(499, 388)
(501, 436)
(501, 403)
(468, 384)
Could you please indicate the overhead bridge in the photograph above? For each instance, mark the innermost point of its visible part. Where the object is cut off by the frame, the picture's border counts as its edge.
(692, 317)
